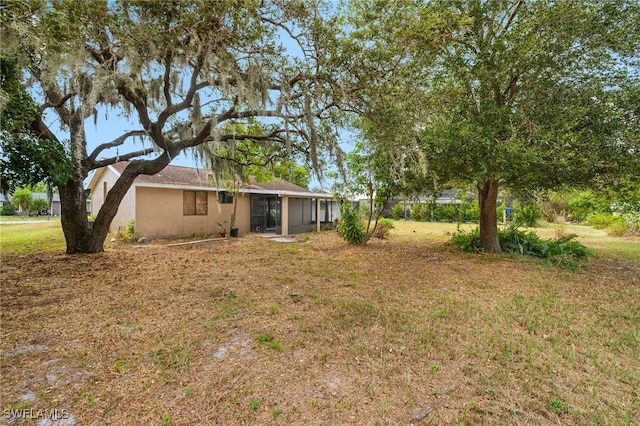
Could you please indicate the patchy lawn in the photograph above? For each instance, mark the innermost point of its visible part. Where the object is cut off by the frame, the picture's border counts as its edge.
(248, 331)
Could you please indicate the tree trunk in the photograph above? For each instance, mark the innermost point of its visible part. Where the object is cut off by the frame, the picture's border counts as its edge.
(73, 212)
(79, 236)
(487, 200)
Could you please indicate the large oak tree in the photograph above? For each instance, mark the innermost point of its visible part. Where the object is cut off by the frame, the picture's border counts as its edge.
(179, 70)
(509, 93)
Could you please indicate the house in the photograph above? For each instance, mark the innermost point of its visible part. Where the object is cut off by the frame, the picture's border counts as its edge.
(55, 209)
(181, 201)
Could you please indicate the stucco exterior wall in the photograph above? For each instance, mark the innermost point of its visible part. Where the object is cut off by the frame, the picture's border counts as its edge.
(159, 214)
(243, 213)
(127, 206)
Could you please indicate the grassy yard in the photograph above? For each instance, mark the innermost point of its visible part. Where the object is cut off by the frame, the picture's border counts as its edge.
(20, 235)
(248, 331)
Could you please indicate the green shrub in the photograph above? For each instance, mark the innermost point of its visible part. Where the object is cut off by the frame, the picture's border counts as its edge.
(349, 226)
(397, 211)
(448, 212)
(383, 227)
(528, 216)
(600, 220)
(565, 251)
(467, 240)
(586, 203)
(626, 218)
(7, 210)
(130, 234)
(39, 205)
(618, 229)
(472, 213)
(420, 212)
(22, 198)
(513, 240)
(554, 204)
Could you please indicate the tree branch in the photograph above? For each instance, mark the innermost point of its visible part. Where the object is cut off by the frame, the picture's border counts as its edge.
(59, 104)
(126, 157)
(167, 78)
(116, 142)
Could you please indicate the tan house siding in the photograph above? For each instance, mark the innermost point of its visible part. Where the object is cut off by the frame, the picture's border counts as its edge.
(159, 214)
(243, 213)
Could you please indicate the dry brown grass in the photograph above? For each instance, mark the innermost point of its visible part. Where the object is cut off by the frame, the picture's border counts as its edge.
(400, 331)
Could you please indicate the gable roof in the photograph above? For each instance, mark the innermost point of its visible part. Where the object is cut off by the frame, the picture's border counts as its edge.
(173, 175)
(276, 185)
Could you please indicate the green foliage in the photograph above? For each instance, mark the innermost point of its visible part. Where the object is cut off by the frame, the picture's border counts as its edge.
(130, 235)
(445, 212)
(270, 341)
(586, 203)
(528, 215)
(565, 251)
(554, 204)
(39, 205)
(7, 210)
(619, 229)
(249, 154)
(557, 405)
(461, 213)
(349, 227)
(26, 157)
(397, 211)
(467, 240)
(627, 216)
(383, 227)
(600, 220)
(22, 198)
(496, 91)
(420, 212)
(468, 211)
(369, 172)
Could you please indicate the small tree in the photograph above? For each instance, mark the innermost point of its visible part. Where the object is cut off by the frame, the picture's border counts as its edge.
(371, 174)
(39, 205)
(23, 199)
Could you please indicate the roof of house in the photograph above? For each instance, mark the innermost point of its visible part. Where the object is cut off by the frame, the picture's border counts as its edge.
(276, 185)
(172, 176)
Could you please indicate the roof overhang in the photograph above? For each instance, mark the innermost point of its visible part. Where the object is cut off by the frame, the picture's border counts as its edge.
(293, 194)
(97, 174)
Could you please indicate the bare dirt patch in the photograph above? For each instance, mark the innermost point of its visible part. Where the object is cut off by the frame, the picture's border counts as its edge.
(251, 331)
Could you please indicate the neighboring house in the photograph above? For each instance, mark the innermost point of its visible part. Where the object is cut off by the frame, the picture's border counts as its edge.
(55, 203)
(5, 200)
(181, 201)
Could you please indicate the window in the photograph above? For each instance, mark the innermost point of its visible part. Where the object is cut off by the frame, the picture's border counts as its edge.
(225, 198)
(195, 203)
